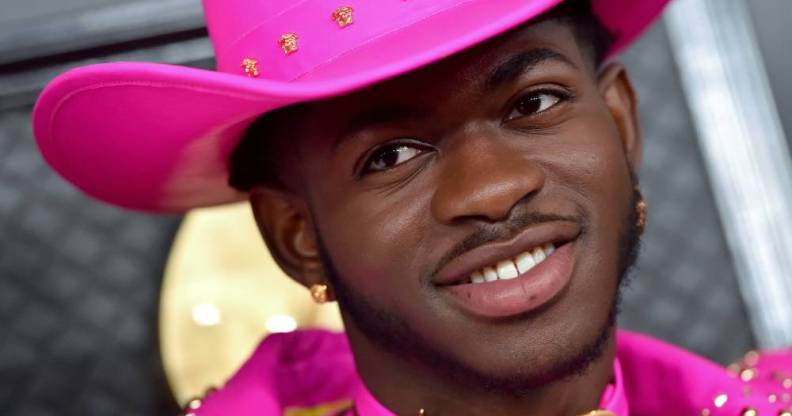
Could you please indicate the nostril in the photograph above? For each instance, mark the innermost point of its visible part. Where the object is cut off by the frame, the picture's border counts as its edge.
(483, 180)
(491, 202)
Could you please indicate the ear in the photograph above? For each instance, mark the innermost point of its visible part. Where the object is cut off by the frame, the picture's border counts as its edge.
(620, 97)
(286, 226)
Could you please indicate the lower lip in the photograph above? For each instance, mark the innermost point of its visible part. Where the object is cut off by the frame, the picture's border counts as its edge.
(526, 292)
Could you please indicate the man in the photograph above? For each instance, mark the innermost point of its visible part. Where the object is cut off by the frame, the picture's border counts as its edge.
(459, 175)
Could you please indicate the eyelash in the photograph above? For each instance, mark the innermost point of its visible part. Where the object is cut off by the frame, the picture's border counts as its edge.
(392, 146)
(401, 145)
(561, 96)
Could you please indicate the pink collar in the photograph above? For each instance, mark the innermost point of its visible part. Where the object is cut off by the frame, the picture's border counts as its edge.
(613, 398)
(313, 373)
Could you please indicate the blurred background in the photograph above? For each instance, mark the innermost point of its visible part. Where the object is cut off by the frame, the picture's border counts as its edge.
(110, 312)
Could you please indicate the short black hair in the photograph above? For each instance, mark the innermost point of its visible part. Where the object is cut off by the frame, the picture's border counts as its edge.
(257, 158)
(587, 27)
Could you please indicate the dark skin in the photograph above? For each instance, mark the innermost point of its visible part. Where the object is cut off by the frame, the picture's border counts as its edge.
(391, 179)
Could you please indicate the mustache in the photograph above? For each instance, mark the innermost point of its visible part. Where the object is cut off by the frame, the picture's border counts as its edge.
(500, 231)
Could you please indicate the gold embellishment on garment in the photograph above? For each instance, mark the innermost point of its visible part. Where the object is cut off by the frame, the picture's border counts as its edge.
(751, 358)
(343, 16)
(787, 383)
(321, 410)
(288, 42)
(720, 400)
(422, 412)
(193, 404)
(748, 374)
(196, 403)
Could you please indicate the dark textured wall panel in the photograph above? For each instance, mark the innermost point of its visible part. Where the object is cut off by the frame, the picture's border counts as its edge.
(79, 284)
(684, 288)
(771, 21)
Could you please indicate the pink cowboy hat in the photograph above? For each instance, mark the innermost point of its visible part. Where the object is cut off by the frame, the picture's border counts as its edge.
(157, 137)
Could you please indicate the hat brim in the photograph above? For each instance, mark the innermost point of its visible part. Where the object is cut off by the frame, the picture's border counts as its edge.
(157, 137)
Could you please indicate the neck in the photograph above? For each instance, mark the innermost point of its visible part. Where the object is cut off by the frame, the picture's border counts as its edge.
(405, 386)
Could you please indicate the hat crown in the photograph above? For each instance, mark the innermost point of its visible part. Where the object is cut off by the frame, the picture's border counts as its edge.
(286, 40)
(228, 20)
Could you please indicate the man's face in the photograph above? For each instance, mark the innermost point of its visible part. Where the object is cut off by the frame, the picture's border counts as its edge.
(418, 184)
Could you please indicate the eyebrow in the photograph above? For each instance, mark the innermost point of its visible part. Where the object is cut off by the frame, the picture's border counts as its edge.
(523, 62)
(506, 72)
(379, 116)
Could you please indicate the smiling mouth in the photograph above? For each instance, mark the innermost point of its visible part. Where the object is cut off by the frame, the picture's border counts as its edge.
(508, 259)
(511, 277)
(512, 268)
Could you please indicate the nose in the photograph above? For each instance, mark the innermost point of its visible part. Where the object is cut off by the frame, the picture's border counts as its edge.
(484, 178)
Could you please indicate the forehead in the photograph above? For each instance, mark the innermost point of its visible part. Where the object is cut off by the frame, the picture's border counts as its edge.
(467, 72)
(310, 133)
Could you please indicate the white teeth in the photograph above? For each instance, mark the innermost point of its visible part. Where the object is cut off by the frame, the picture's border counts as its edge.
(525, 262)
(507, 270)
(512, 268)
(490, 275)
(538, 255)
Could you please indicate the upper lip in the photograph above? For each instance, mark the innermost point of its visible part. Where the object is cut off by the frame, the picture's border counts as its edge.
(459, 269)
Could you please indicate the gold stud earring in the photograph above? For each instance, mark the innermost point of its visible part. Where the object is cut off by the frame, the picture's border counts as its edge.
(343, 16)
(319, 293)
(640, 209)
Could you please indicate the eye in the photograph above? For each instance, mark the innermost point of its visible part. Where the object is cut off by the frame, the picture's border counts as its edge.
(535, 103)
(390, 156)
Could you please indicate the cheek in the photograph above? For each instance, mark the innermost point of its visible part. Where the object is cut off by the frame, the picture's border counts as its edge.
(595, 163)
(596, 168)
(375, 241)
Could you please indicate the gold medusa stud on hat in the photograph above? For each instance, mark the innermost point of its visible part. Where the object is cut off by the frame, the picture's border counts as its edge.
(288, 42)
(343, 16)
(250, 66)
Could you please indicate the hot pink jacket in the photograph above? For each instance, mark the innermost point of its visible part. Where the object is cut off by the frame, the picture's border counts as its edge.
(312, 373)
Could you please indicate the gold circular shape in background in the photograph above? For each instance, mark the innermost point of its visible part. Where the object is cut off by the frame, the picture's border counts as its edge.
(221, 294)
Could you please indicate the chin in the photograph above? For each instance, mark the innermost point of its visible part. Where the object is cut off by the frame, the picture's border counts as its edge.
(525, 353)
